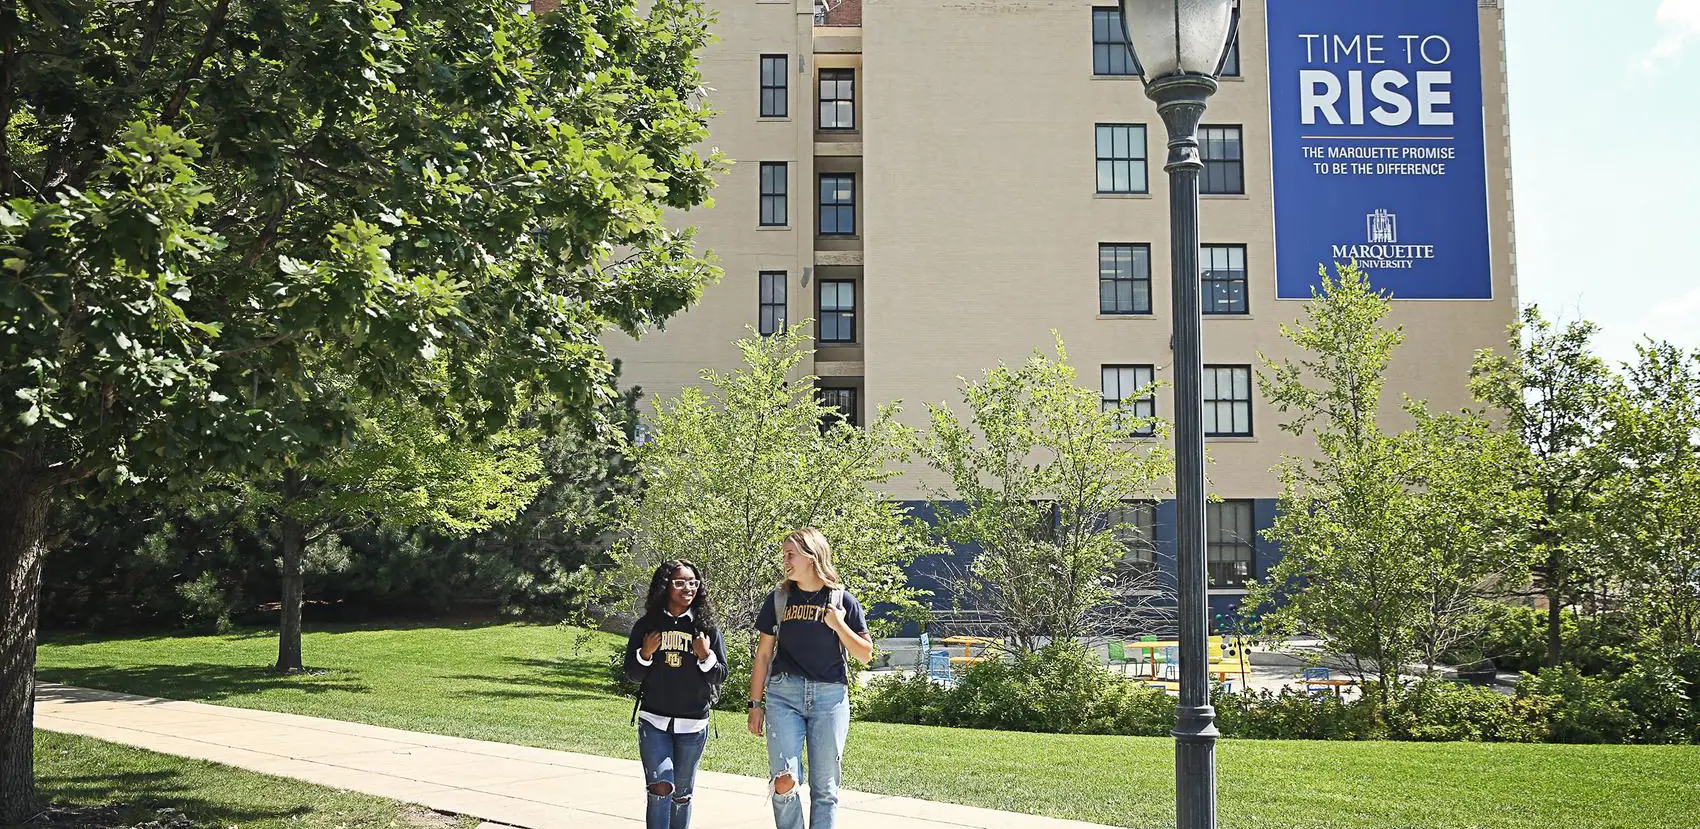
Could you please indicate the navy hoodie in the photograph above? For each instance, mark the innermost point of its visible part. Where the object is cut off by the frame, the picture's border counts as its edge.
(673, 684)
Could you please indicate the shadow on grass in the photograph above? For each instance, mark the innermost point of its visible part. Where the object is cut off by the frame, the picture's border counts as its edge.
(142, 792)
(75, 638)
(564, 678)
(200, 681)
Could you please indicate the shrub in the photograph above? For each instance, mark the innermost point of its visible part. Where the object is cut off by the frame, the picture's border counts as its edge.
(909, 700)
(1436, 711)
(1065, 690)
(1515, 638)
(1296, 715)
(1582, 709)
(1057, 689)
(1662, 700)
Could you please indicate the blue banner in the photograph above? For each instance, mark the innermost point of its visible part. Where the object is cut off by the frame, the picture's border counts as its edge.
(1379, 152)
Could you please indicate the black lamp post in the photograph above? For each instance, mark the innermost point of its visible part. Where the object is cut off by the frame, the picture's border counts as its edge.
(1180, 46)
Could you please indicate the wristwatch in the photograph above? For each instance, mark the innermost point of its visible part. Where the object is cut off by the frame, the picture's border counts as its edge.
(754, 704)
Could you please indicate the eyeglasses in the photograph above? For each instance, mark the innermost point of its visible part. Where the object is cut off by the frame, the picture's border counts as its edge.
(686, 584)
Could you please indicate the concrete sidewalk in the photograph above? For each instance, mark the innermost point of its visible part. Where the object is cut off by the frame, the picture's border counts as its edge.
(514, 785)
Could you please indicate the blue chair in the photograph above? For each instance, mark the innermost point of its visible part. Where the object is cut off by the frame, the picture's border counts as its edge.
(1315, 673)
(1170, 663)
(938, 667)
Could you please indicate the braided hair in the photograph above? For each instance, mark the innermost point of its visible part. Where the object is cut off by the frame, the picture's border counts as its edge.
(702, 607)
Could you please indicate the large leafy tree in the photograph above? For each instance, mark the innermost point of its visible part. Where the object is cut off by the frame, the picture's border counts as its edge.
(1556, 396)
(200, 203)
(735, 465)
(543, 564)
(1394, 541)
(1653, 501)
(404, 467)
(1047, 479)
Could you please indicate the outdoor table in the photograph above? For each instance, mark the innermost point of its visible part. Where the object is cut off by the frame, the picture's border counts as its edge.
(1152, 648)
(968, 643)
(1221, 670)
(1335, 684)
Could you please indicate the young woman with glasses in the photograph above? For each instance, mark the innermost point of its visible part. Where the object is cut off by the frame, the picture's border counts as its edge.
(676, 654)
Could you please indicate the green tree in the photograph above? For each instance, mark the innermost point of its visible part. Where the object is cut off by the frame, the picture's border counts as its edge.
(1046, 478)
(1467, 516)
(735, 465)
(149, 560)
(540, 564)
(1654, 500)
(402, 468)
(1393, 543)
(1555, 396)
(200, 203)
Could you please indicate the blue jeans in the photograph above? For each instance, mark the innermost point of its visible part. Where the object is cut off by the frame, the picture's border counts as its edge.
(799, 711)
(671, 759)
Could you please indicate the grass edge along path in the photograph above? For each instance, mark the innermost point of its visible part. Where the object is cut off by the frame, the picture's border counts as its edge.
(81, 771)
(546, 686)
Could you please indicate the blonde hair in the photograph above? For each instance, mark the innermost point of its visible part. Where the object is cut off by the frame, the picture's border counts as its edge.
(812, 543)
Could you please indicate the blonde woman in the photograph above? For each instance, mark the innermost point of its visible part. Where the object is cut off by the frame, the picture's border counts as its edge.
(810, 626)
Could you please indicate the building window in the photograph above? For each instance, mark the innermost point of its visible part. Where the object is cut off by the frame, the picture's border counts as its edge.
(1224, 160)
(775, 95)
(1121, 158)
(837, 204)
(1136, 529)
(1227, 401)
(1110, 53)
(1121, 383)
(1124, 279)
(1224, 279)
(1228, 541)
(838, 99)
(842, 401)
(773, 182)
(772, 303)
(1231, 66)
(837, 311)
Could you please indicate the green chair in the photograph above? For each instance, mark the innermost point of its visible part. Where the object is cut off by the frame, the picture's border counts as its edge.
(1118, 653)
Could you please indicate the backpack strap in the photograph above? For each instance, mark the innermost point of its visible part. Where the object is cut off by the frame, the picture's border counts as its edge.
(781, 597)
(638, 700)
(836, 599)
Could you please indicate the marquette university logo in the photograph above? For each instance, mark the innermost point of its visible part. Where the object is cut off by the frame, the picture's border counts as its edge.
(1383, 228)
(1382, 250)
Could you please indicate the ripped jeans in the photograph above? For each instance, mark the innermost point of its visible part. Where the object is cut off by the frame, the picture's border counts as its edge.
(670, 765)
(801, 711)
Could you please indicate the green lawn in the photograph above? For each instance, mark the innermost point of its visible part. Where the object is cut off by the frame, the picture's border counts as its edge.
(78, 771)
(531, 685)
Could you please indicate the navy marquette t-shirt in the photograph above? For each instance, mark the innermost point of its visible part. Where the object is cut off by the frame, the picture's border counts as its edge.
(807, 647)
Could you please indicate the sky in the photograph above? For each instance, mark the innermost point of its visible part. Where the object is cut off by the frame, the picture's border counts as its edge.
(1605, 137)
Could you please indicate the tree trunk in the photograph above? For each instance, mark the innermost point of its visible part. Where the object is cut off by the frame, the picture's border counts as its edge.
(289, 627)
(1555, 578)
(292, 537)
(25, 494)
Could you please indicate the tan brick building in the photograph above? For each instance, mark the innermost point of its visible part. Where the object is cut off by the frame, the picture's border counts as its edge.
(941, 183)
